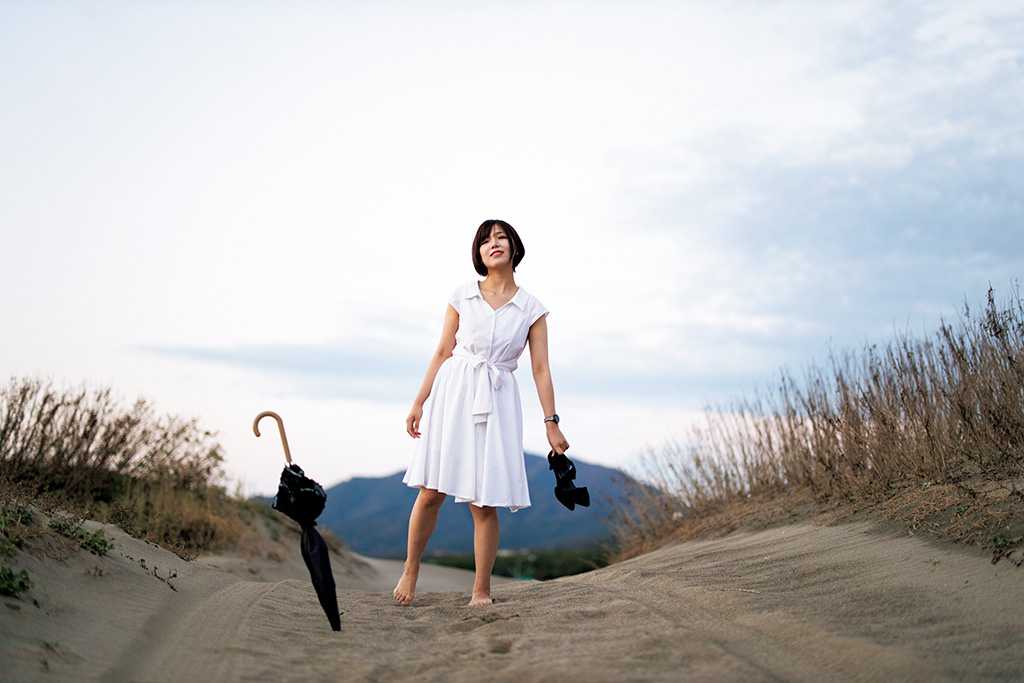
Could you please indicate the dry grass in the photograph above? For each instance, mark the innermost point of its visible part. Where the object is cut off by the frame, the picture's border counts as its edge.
(80, 451)
(929, 432)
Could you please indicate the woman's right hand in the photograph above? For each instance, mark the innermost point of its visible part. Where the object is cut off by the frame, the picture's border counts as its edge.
(412, 423)
(555, 438)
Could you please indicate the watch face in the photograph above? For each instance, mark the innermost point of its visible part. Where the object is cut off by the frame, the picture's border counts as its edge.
(553, 418)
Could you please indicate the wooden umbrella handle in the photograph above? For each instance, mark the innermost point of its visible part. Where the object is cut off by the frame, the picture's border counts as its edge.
(280, 427)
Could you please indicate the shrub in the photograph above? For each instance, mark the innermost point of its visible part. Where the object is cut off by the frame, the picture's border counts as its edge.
(946, 409)
(83, 442)
(156, 477)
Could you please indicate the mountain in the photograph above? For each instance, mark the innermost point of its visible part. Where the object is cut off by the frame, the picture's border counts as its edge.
(372, 514)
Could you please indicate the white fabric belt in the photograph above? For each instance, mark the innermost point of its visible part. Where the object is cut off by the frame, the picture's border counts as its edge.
(488, 380)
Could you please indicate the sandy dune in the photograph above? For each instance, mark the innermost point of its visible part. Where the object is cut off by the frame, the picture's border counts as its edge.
(795, 603)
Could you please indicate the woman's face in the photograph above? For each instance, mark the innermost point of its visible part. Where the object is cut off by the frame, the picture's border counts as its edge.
(496, 249)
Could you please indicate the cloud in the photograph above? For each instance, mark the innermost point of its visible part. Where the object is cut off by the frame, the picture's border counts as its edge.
(383, 373)
(868, 184)
(278, 199)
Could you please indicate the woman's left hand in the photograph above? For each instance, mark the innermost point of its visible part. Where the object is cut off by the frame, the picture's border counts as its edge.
(556, 439)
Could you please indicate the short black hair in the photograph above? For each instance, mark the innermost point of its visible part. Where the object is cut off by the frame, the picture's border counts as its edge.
(484, 231)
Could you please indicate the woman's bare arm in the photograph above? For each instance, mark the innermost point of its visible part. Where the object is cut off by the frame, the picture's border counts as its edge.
(444, 351)
(538, 340)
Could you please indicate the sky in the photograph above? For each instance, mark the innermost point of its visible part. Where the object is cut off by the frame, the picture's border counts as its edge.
(229, 207)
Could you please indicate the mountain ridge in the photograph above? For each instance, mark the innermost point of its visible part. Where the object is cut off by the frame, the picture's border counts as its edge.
(371, 514)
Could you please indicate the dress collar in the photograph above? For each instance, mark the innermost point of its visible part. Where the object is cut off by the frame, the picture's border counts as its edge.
(518, 299)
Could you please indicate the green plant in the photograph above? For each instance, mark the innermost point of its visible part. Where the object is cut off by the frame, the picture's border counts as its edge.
(96, 542)
(12, 584)
(14, 515)
(65, 526)
(1001, 541)
(961, 510)
(11, 518)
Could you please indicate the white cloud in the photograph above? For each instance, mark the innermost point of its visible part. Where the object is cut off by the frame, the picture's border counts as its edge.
(706, 192)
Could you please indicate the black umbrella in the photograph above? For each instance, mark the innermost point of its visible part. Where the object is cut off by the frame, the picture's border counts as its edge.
(566, 491)
(303, 500)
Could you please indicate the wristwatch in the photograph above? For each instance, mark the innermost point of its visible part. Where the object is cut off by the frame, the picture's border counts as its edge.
(552, 418)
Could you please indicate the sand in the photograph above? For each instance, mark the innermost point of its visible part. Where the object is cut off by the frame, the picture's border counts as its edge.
(851, 602)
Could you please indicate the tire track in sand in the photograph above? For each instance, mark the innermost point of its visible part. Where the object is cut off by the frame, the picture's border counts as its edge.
(202, 641)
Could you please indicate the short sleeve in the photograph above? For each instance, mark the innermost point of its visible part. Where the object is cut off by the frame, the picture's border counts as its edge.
(456, 297)
(536, 310)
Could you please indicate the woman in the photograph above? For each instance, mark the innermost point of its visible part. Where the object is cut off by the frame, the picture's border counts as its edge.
(467, 415)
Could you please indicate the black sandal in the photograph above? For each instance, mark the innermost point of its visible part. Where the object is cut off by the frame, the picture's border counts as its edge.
(565, 491)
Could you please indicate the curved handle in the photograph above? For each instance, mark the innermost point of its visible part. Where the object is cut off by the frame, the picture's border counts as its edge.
(280, 427)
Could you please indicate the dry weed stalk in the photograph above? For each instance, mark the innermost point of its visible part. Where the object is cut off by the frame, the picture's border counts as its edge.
(944, 410)
(156, 477)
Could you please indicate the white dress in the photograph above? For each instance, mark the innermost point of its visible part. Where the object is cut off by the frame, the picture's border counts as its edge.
(471, 443)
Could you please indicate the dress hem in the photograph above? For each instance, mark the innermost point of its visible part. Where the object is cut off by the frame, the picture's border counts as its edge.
(462, 499)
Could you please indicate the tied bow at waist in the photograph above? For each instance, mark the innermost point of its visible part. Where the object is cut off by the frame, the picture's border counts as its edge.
(488, 379)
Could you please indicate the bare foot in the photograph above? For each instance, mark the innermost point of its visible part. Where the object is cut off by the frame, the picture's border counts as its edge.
(479, 599)
(406, 588)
